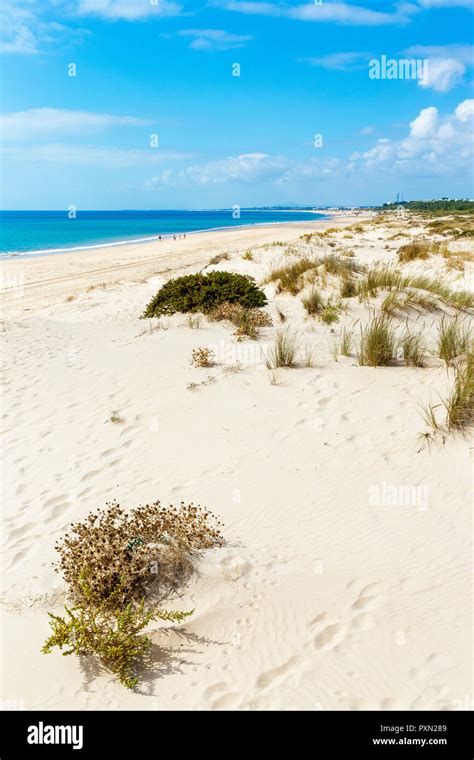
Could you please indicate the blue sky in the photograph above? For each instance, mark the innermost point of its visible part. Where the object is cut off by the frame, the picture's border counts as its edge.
(156, 118)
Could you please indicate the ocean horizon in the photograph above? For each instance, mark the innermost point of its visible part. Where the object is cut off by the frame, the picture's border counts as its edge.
(33, 233)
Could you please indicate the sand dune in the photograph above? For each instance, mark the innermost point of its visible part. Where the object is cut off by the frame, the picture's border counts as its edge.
(321, 598)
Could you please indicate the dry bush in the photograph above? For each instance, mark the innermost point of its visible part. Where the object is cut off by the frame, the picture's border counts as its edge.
(117, 566)
(202, 357)
(247, 321)
(219, 257)
(126, 556)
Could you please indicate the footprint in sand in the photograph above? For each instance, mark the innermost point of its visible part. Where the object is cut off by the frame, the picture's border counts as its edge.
(330, 637)
(268, 677)
(220, 698)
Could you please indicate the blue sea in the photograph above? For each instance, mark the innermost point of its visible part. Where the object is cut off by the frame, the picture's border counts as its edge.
(28, 233)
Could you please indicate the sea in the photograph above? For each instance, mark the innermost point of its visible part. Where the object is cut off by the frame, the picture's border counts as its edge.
(35, 233)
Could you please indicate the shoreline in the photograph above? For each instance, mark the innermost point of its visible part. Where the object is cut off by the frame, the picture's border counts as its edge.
(22, 255)
(149, 239)
(29, 283)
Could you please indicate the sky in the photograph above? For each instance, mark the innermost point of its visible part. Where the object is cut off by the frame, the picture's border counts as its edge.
(148, 104)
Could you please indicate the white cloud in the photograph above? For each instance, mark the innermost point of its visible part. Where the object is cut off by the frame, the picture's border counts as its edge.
(446, 64)
(443, 74)
(214, 39)
(369, 130)
(424, 123)
(23, 29)
(37, 122)
(341, 61)
(341, 13)
(446, 4)
(59, 154)
(463, 53)
(435, 145)
(246, 168)
(465, 110)
(128, 10)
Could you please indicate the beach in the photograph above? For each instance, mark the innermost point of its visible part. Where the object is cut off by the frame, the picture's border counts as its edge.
(345, 580)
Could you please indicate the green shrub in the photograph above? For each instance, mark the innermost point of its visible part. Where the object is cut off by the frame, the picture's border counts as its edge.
(204, 292)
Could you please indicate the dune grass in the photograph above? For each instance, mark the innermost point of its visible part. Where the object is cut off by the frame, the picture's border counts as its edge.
(385, 277)
(413, 349)
(313, 303)
(460, 402)
(377, 342)
(454, 338)
(414, 250)
(284, 350)
(290, 277)
(348, 286)
(347, 342)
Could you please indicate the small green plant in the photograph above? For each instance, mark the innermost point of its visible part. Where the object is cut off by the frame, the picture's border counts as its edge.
(203, 293)
(248, 256)
(113, 635)
(330, 313)
(454, 338)
(202, 357)
(377, 342)
(284, 351)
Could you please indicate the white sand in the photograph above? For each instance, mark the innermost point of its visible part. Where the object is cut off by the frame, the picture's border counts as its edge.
(322, 599)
